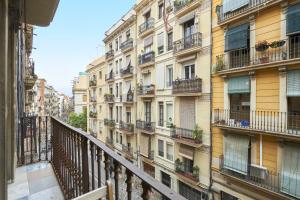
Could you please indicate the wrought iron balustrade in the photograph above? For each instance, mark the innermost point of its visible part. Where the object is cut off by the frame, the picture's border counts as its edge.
(194, 40)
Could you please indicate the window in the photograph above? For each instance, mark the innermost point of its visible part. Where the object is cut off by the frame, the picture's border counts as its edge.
(160, 148)
(117, 66)
(120, 65)
(117, 137)
(160, 10)
(191, 193)
(100, 74)
(128, 35)
(169, 79)
(170, 152)
(166, 179)
(161, 113)
(110, 46)
(169, 114)
(189, 71)
(100, 91)
(226, 196)
(84, 98)
(160, 43)
(120, 41)
(117, 89)
(189, 30)
(120, 113)
(100, 109)
(117, 44)
(170, 41)
(117, 114)
(148, 112)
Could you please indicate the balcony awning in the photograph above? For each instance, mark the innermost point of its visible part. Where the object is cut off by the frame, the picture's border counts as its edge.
(186, 18)
(293, 83)
(293, 19)
(238, 85)
(237, 37)
(40, 12)
(232, 5)
(186, 152)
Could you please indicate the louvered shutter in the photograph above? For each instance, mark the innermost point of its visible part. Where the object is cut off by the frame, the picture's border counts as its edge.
(232, 5)
(187, 113)
(293, 19)
(160, 40)
(237, 85)
(237, 37)
(293, 83)
(160, 76)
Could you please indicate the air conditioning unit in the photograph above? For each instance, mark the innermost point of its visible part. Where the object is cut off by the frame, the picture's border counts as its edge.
(258, 172)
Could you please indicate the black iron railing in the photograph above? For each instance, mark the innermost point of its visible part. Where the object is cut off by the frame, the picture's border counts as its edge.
(128, 98)
(127, 71)
(186, 134)
(110, 76)
(93, 114)
(128, 150)
(127, 44)
(268, 121)
(93, 99)
(146, 90)
(110, 98)
(178, 5)
(194, 40)
(92, 82)
(109, 122)
(109, 54)
(192, 174)
(79, 157)
(128, 127)
(147, 126)
(187, 85)
(147, 25)
(109, 141)
(147, 58)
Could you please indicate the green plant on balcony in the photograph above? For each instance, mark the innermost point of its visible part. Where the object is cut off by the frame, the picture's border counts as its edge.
(93, 114)
(196, 171)
(219, 64)
(262, 46)
(277, 43)
(178, 165)
(197, 134)
(92, 82)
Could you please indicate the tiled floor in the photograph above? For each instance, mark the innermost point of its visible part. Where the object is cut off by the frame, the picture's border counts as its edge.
(36, 181)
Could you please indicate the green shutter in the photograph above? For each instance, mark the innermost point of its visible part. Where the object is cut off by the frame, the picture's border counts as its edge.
(293, 19)
(237, 37)
(293, 83)
(238, 85)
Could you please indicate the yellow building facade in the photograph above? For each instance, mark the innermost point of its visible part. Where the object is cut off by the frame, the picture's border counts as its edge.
(255, 100)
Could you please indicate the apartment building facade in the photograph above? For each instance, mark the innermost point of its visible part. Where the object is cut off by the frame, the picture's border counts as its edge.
(79, 89)
(255, 99)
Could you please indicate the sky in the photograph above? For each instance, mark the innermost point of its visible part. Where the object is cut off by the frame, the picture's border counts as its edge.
(74, 39)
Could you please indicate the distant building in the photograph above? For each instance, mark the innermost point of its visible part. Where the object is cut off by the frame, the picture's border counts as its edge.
(80, 87)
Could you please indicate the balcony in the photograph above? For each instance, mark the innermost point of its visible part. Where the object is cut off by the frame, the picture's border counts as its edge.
(110, 123)
(109, 141)
(109, 98)
(93, 114)
(93, 99)
(128, 98)
(93, 83)
(110, 76)
(127, 127)
(30, 76)
(149, 157)
(146, 28)
(147, 59)
(282, 124)
(128, 151)
(146, 90)
(272, 54)
(127, 45)
(147, 127)
(187, 136)
(109, 55)
(181, 7)
(187, 87)
(184, 173)
(270, 182)
(188, 45)
(252, 7)
(126, 73)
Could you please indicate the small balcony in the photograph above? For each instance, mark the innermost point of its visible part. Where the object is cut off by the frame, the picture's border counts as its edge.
(126, 73)
(181, 7)
(93, 99)
(148, 127)
(252, 7)
(188, 45)
(282, 124)
(30, 76)
(146, 90)
(128, 98)
(127, 127)
(110, 76)
(146, 59)
(128, 151)
(109, 141)
(192, 174)
(110, 123)
(187, 136)
(109, 98)
(147, 27)
(149, 157)
(127, 45)
(187, 87)
(109, 55)
(93, 83)
(93, 114)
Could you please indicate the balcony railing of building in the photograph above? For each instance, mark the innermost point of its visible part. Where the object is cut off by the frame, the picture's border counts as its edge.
(191, 174)
(93, 132)
(127, 44)
(194, 40)
(276, 51)
(223, 16)
(147, 58)
(286, 123)
(146, 126)
(110, 98)
(93, 114)
(128, 127)
(110, 76)
(193, 85)
(178, 5)
(128, 150)
(264, 178)
(93, 83)
(109, 122)
(146, 90)
(109, 141)
(150, 156)
(128, 98)
(188, 135)
(147, 25)
(109, 54)
(127, 72)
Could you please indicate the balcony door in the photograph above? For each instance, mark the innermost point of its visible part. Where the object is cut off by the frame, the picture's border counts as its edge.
(189, 30)
(187, 113)
(148, 112)
(189, 71)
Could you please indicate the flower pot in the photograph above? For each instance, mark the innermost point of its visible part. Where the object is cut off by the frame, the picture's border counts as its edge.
(264, 59)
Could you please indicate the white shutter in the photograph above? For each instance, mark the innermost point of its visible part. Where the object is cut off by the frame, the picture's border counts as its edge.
(229, 6)
(160, 76)
(160, 40)
(144, 147)
(187, 113)
(147, 79)
(169, 113)
(148, 41)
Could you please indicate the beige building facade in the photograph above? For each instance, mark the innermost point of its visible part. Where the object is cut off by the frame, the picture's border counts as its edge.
(80, 87)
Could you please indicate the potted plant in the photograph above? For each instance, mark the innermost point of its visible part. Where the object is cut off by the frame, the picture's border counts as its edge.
(277, 43)
(178, 165)
(196, 171)
(219, 64)
(197, 134)
(262, 45)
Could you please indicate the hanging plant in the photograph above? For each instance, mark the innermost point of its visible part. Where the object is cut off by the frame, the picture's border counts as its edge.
(262, 46)
(276, 44)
